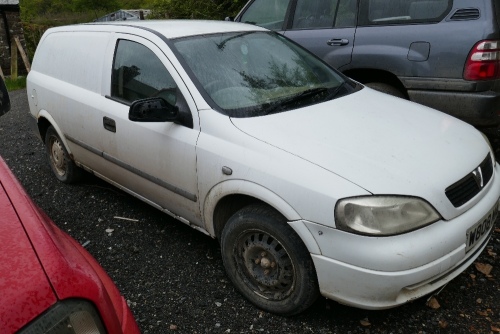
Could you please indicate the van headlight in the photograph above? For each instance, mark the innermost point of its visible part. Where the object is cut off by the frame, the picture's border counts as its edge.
(383, 215)
(68, 317)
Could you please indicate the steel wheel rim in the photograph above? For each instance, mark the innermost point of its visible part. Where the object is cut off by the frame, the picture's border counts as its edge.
(264, 265)
(57, 156)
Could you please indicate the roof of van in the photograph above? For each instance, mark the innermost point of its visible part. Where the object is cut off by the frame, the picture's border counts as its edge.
(183, 28)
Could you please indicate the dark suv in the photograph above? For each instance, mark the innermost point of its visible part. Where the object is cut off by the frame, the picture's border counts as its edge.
(441, 53)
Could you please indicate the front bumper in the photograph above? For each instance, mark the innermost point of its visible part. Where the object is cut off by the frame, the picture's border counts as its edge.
(384, 272)
(376, 290)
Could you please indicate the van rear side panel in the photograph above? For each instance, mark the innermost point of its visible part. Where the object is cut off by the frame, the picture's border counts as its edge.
(73, 57)
(65, 84)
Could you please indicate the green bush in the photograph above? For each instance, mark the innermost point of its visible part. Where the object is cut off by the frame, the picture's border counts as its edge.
(39, 15)
(196, 9)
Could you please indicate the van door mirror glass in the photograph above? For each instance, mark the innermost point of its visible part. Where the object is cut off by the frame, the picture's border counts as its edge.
(153, 109)
(4, 98)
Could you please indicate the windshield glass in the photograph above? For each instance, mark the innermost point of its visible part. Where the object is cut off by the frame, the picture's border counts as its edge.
(248, 74)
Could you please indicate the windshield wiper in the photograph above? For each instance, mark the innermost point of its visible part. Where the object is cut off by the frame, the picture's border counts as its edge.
(337, 91)
(222, 44)
(278, 106)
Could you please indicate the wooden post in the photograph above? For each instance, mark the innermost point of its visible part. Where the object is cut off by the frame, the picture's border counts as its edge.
(13, 61)
(23, 54)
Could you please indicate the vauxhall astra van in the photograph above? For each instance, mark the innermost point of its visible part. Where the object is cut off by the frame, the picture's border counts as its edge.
(312, 183)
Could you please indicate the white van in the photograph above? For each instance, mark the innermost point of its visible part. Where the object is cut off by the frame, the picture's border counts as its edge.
(312, 183)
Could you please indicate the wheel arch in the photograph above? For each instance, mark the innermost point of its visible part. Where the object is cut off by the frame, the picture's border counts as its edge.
(227, 197)
(267, 262)
(366, 75)
(44, 121)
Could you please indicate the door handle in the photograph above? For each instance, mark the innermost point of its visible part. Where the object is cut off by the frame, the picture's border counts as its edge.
(338, 41)
(109, 124)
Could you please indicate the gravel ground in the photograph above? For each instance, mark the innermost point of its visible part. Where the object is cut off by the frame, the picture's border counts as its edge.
(173, 278)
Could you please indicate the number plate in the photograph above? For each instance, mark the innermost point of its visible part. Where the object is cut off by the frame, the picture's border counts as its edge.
(476, 232)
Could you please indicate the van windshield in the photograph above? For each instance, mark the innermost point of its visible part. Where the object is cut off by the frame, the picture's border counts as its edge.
(247, 74)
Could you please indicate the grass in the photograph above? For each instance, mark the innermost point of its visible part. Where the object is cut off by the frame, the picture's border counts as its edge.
(19, 83)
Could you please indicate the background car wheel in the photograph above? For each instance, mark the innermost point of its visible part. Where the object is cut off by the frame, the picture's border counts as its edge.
(386, 88)
(61, 164)
(268, 262)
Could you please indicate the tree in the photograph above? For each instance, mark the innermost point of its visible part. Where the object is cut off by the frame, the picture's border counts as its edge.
(197, 9)
(133, 4)
(95, 5)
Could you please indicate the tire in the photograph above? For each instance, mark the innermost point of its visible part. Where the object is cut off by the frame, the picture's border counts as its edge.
(386, 88)
(268, 262)
(60, 162)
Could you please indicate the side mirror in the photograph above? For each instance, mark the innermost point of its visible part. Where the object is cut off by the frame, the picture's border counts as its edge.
(153, 109)
(229, 18)
(4, 98)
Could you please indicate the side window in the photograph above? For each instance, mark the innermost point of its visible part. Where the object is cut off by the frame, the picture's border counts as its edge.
(312, 14)
(138, 74)
(427, 10)
(317, 14)
(269, 14)
(403, 11)
(346, 14)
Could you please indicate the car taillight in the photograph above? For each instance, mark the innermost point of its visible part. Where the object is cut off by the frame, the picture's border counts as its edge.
(483, 62)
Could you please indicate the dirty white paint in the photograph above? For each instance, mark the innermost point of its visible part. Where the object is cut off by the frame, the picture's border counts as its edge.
(300, 162)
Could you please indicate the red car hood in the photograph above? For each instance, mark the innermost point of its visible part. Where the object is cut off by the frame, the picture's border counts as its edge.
(40, 264)
(25, 289)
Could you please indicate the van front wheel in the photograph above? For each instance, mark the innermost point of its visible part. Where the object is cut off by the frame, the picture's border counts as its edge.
(268, 262)
(59, 160)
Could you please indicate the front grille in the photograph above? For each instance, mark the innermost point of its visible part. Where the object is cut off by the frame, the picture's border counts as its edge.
(465, 189)
(465, 14)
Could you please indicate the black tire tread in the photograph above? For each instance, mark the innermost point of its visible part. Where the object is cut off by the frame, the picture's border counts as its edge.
(310, 290)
